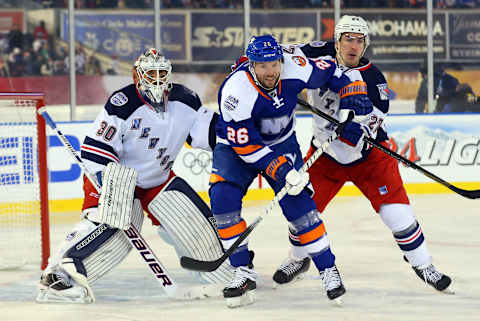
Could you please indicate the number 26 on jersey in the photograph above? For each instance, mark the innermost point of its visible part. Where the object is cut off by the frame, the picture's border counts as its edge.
(239, 136)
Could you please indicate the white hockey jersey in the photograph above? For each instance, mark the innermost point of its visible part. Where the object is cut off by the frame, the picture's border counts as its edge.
(130, 132)
(328, 102)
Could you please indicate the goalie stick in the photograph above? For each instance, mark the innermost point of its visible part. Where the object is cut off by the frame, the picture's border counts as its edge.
(132, 234)
(209, 266)
(472, 194)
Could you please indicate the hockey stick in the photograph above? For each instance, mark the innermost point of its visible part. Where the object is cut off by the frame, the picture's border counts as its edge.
(472, 194)
(209, 266)
(132, 234)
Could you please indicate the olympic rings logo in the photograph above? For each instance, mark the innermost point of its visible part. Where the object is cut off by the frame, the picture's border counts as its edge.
(198, 162)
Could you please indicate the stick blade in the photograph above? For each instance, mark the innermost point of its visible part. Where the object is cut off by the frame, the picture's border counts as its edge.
(200, 266)
(466, 193)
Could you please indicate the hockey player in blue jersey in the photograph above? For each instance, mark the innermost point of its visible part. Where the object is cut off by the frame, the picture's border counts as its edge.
(375, 173)
(255, 134)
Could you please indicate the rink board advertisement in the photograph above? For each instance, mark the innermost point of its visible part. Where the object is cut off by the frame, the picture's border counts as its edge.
(127, 35)
(464, 35)
(219, 36)
(446, 145)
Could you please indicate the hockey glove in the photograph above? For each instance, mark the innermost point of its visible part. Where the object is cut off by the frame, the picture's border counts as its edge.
(351, 133)
(282, 171)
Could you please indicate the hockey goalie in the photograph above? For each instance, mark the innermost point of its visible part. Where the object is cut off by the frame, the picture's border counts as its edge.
(132, 147)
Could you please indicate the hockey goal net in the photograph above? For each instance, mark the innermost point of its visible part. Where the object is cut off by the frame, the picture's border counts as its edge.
(24, 227)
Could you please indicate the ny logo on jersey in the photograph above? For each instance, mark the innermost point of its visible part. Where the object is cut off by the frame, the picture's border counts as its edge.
(145, 132)
(136, 123)
(164, 160)
(161, 151)
(276, 101)
(153, 142)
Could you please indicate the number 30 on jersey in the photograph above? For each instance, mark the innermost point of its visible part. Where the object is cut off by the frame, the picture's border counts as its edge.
(239, 136)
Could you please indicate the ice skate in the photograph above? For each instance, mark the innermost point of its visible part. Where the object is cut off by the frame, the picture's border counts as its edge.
(57, 286)
(430, 275)
(241, 289)
(290, 271)
(333, 284)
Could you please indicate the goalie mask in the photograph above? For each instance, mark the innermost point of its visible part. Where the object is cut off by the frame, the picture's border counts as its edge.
(152, 73)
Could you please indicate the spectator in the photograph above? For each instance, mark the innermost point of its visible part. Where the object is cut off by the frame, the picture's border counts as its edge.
(444, 88)
(40, 32)
(46, 68)
(15, 62)
(464, 100)
(15, 38)
(93, 67)
(3, 68)
(113, 70)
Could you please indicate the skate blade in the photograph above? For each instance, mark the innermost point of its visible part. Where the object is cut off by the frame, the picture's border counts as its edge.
(200, 292)
(449, 290)
(284, 285)
(246, 299)
(338, 302)
(49, 297)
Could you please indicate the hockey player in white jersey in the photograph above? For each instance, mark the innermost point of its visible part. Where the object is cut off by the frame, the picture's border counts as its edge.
(348, 159)
(132, 146)
(256, 134)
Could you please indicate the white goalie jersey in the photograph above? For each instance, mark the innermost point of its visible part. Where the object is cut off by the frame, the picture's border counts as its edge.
(128, 131)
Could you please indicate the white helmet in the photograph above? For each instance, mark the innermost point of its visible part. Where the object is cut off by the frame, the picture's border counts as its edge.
(153, 72)
(352, 24)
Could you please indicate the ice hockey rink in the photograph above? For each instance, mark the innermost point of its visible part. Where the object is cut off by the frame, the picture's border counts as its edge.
(380, 285)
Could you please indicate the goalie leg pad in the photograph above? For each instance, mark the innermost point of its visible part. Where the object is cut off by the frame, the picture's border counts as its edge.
(116, 198)
(114, 250)
(96, 249)
(190, 226)
(88, 253)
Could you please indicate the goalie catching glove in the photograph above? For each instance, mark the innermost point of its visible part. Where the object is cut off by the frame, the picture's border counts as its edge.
(116, 198)
(281, 170)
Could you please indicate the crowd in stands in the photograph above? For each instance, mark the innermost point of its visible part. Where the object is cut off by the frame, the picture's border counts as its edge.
(33, 54)
(264, 4)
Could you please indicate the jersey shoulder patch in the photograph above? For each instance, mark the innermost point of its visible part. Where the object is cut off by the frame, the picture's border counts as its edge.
(184, 95)
(119, 99)
(299, 60)
(123, 102)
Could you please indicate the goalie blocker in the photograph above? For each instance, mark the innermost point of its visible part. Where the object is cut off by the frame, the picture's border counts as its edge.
(91, 250)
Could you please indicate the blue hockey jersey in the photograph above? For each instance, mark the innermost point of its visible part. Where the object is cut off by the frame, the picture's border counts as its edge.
(252, 118)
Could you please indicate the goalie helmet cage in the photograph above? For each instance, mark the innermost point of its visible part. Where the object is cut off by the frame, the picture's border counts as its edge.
(24, 217)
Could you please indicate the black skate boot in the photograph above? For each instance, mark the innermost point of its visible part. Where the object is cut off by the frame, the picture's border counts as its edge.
(333, 284)
(290, 270)
(430, 275)
(241, 289)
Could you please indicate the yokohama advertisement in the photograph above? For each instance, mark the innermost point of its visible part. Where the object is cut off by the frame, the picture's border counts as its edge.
(398, 35)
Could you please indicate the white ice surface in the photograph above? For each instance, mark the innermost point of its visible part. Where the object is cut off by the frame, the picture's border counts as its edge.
(380, 285)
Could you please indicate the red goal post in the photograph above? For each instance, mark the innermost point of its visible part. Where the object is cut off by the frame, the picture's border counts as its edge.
(24, 215)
